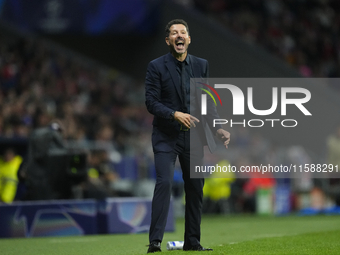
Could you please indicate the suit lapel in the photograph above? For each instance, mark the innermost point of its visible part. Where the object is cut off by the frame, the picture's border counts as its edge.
(170, 65)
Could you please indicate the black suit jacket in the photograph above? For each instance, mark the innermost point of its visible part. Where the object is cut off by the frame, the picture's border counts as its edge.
(163, 95)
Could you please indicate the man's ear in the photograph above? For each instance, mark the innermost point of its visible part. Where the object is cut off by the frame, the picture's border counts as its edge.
(189, 39)
(167, 41)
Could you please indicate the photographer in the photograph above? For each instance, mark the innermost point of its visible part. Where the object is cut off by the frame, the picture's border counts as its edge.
(51, 169)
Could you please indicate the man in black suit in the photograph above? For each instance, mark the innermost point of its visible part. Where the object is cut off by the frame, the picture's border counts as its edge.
(169, 99)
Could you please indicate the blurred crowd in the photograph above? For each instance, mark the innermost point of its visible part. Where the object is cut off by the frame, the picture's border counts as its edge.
(100, 108)
(304, 33)
(39, 83)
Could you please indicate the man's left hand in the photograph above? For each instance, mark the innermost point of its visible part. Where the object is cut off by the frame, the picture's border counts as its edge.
(224, 136)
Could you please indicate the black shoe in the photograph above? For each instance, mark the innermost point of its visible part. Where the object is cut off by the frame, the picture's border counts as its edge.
(196, 248)
(154, 247)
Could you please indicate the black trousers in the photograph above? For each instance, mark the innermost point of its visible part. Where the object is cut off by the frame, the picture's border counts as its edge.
(165, 164)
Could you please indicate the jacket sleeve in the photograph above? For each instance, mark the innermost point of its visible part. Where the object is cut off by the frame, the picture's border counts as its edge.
(211, 108)
(153, 93)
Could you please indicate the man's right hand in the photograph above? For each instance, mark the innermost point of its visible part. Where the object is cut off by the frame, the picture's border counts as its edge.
(185, 119)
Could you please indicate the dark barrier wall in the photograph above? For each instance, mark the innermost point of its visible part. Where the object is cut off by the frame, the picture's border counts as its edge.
(78, 217)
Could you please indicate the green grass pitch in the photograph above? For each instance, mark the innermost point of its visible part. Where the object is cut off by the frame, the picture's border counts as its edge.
(237, 235)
